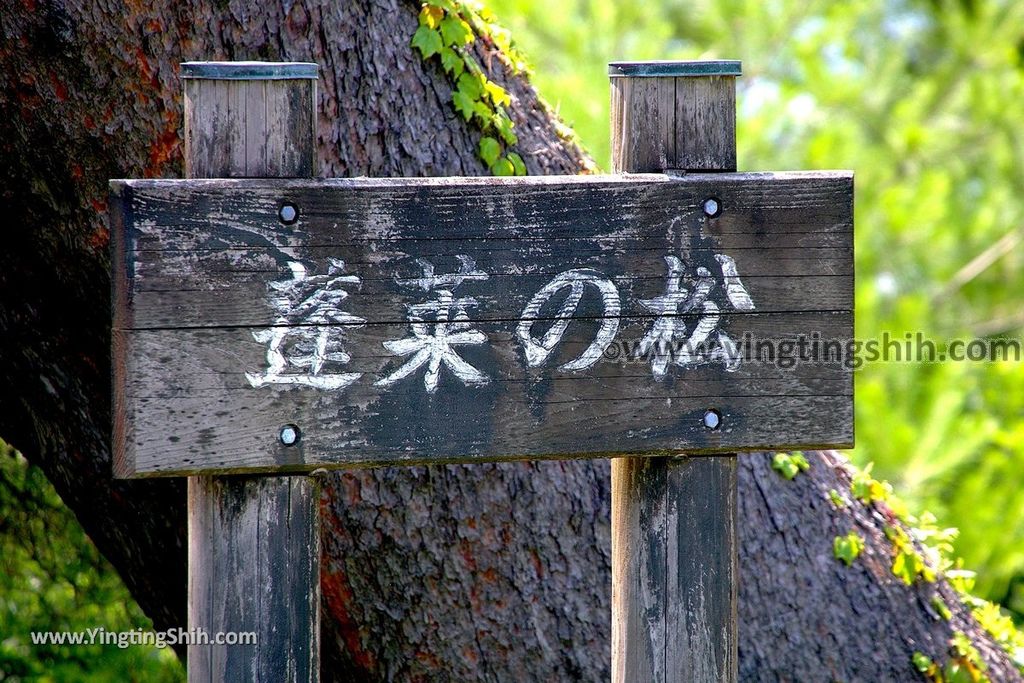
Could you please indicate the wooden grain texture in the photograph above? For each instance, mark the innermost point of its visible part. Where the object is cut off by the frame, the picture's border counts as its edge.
(701, 577)
(682, 123)
(674, 577)
(705, 123)
(254, 549)
(197, 286)
(255, 129)
(254, 542)
(674, 569)
(643, 124)
(639, 570)
(674, 519)
(203, 264)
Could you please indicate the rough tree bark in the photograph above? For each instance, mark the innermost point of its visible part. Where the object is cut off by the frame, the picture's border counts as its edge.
(490, 572)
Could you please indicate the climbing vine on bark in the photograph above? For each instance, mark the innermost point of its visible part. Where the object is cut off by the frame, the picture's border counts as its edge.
(922, 550)
(446, 29)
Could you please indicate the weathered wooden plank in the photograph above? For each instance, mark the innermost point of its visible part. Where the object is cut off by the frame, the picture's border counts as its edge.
(229, 354)
(254, 543)
(255, 127)
(615, 408)
(238, 298)
(249, 128)
(252, 449)
(204, 596)
(291, 129)
(205, 265)
(705, 129)
(639, 570)
(643, 123)
(202, 256)
(237, 115)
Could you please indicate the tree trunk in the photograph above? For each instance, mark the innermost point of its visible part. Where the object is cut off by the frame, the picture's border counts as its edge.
(484, 572)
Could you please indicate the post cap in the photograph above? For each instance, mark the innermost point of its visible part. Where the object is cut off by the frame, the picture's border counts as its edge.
(249, 71)
(670, 69)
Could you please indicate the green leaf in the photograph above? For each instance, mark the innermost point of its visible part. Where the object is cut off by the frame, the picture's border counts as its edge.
(866, 488)
(497, 94)
(482, 111)
(502, 38)
(957, 672)
(847, 548)
(463, 104)
(490, 150)
(471, 85)
(503, 124)
(517, 163)
(452, 62)
(922, 662)
(801, 461)
(901, 568)
(962, 580)
(965, 649)
(790, 465)
(836, 499)
(430, 16)
(456, 31)
(427, 40)
(503, 167)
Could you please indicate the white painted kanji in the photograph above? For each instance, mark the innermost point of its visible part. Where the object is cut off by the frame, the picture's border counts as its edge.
(438, 326)
(735, 290)
(669, 342)
(576, 281)
(306, 338)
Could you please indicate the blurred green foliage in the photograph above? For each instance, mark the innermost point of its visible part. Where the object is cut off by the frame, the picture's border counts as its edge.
(52, 578)
(925, 101)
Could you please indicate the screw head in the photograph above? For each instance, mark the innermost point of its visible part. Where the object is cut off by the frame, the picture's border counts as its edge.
(288, 213)
(712, 207)
(289, 435)
(712, 419)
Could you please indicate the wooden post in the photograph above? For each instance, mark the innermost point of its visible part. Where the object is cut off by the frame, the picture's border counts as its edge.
(254, 542)
(674, 519)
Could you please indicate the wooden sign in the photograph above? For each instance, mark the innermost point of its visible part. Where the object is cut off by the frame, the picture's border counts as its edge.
(287, 325)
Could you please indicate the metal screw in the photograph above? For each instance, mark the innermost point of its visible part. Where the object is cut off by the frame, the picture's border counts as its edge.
(289, 435)
(712, 207)
(288, 213)
(712, 419)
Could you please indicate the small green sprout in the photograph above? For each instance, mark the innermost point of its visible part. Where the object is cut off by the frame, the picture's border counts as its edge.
(790, 464)
(968, 657)
(940, 606)
(847, 548)
(962, 580)
(923, 663)
(867, 489)
(837, 499)
(908, 563)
